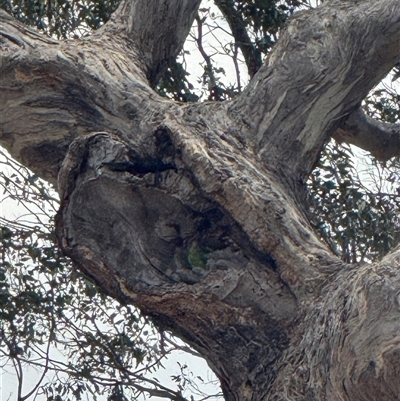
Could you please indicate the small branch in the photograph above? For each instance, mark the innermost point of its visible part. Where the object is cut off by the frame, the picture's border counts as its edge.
(379, 138)
(12, 354)
(183, 348)
(237, 70)
(46, 365)
(206, 57)
(251, 54)
(60, 367)
(297, 99)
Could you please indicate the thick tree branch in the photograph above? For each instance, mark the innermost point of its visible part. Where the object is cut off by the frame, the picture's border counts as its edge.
(253, 196)
(95, 85)
(158, 28)
(189, 211)
(379, 138)
(52, 92)
(322, 67)
(349, 348)
(176, 253)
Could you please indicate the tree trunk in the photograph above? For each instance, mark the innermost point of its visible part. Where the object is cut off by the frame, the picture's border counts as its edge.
(195, 213)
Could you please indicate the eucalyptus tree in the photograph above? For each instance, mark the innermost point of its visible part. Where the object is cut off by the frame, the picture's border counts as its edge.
(197, 213)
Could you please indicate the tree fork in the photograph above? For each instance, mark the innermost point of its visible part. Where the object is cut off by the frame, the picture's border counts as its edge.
(177, 255)
(192, 213)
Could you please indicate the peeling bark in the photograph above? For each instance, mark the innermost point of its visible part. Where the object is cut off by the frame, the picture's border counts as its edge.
(194, 212)
(320, 70)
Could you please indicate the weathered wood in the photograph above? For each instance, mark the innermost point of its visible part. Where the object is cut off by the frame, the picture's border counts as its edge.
(194, 212)
(381, 139)
(321, 69)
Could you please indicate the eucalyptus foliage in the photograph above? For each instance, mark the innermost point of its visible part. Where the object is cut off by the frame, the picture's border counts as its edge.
(356, 213)
(61, 18)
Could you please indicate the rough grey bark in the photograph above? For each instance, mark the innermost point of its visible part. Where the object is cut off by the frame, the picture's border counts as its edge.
(381, 139)
(195, 213)
(158, 29)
